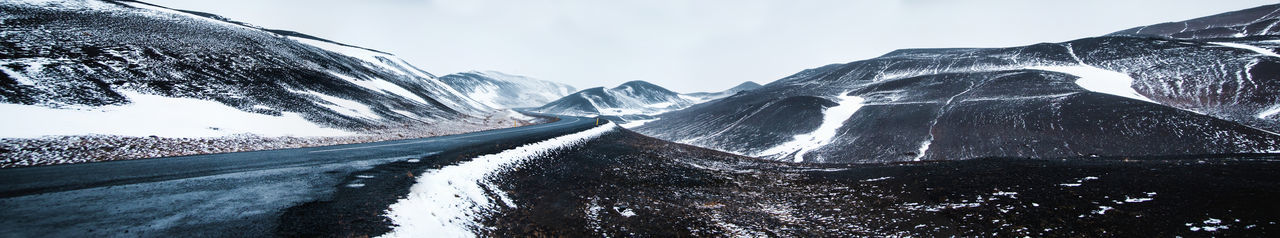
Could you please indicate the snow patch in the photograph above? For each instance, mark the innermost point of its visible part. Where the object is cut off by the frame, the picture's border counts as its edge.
(876, 179)
(382, 86)
(343, 106)
(149, 115)
(1255, 49)
(1102, 210)
(1006, 194)
(625, 212)
(447, 202)
(833, 119)
(636, 123)
(1099, 80)
(1273, 110)
(1136, 200)
(924, 146)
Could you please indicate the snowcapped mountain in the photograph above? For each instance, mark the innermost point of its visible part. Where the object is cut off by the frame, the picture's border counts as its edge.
(630, 98)
(499, 90)
(1119, 95)
(129, 68)
(708, 96)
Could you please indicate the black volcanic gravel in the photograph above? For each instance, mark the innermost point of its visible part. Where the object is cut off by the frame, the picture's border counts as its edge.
(626, 184)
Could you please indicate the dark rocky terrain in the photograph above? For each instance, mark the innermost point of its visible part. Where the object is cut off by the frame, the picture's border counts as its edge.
(626, 184)
(1248, 22)
(1122, 95)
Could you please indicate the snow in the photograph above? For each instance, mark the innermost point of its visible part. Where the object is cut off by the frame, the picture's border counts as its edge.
(149, 115)
(661, 105)
(876, 179)
(343, 106)
(924, 147)
(1136, 200)
(33, 65)
(404, 113)
(447, 202)
(833, 119)
(366, 55)
(1006, 194)
(636, 123)
(1269, 112)
(402, 67)
(692, 98)
(1255, 49)
(1102, 210)
(1099, 80)
(625, 212)
(1211, 225)
(19, 77)
(487, 95)
(382, 86)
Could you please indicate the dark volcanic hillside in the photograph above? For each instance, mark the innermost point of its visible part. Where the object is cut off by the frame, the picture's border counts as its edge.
(131, 70)
(1249, 22)
(84, 54)
(1103, 96)
(499, 90)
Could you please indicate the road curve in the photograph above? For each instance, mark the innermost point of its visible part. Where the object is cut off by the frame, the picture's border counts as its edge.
(236, 194)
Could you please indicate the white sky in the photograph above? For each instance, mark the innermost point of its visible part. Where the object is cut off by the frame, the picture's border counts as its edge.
(693, 45)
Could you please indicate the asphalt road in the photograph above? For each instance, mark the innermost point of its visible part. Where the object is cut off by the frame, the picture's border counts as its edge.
(232, 194)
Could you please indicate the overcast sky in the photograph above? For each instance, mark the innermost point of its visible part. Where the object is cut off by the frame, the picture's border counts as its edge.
(693, 45)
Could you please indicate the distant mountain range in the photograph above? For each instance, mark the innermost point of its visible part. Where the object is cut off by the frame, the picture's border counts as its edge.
(630, 98)
(708, 96)
(1210, 88)
(499, 90)
(131, 68)
(635, 100)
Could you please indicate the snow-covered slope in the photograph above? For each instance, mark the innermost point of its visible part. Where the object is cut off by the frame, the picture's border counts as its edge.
(708, 96)
(499, 90)
(630, 98)
(1106, 96)
(72, 67)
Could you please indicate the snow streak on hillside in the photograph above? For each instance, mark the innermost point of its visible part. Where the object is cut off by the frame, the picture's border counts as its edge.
(833, 119)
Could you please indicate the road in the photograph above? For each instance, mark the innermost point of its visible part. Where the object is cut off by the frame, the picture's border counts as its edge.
(232, 194)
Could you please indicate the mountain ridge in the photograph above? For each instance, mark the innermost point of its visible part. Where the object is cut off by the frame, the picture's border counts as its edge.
(501, 90)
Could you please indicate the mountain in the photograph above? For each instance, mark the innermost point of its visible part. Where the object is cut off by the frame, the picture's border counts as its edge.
(630, 98)
(499, 90)
(132, 69)
(1248, 22)
(1119, 95)
(708, 96)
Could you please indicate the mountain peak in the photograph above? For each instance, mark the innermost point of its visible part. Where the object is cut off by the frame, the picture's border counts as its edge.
(744, 86)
